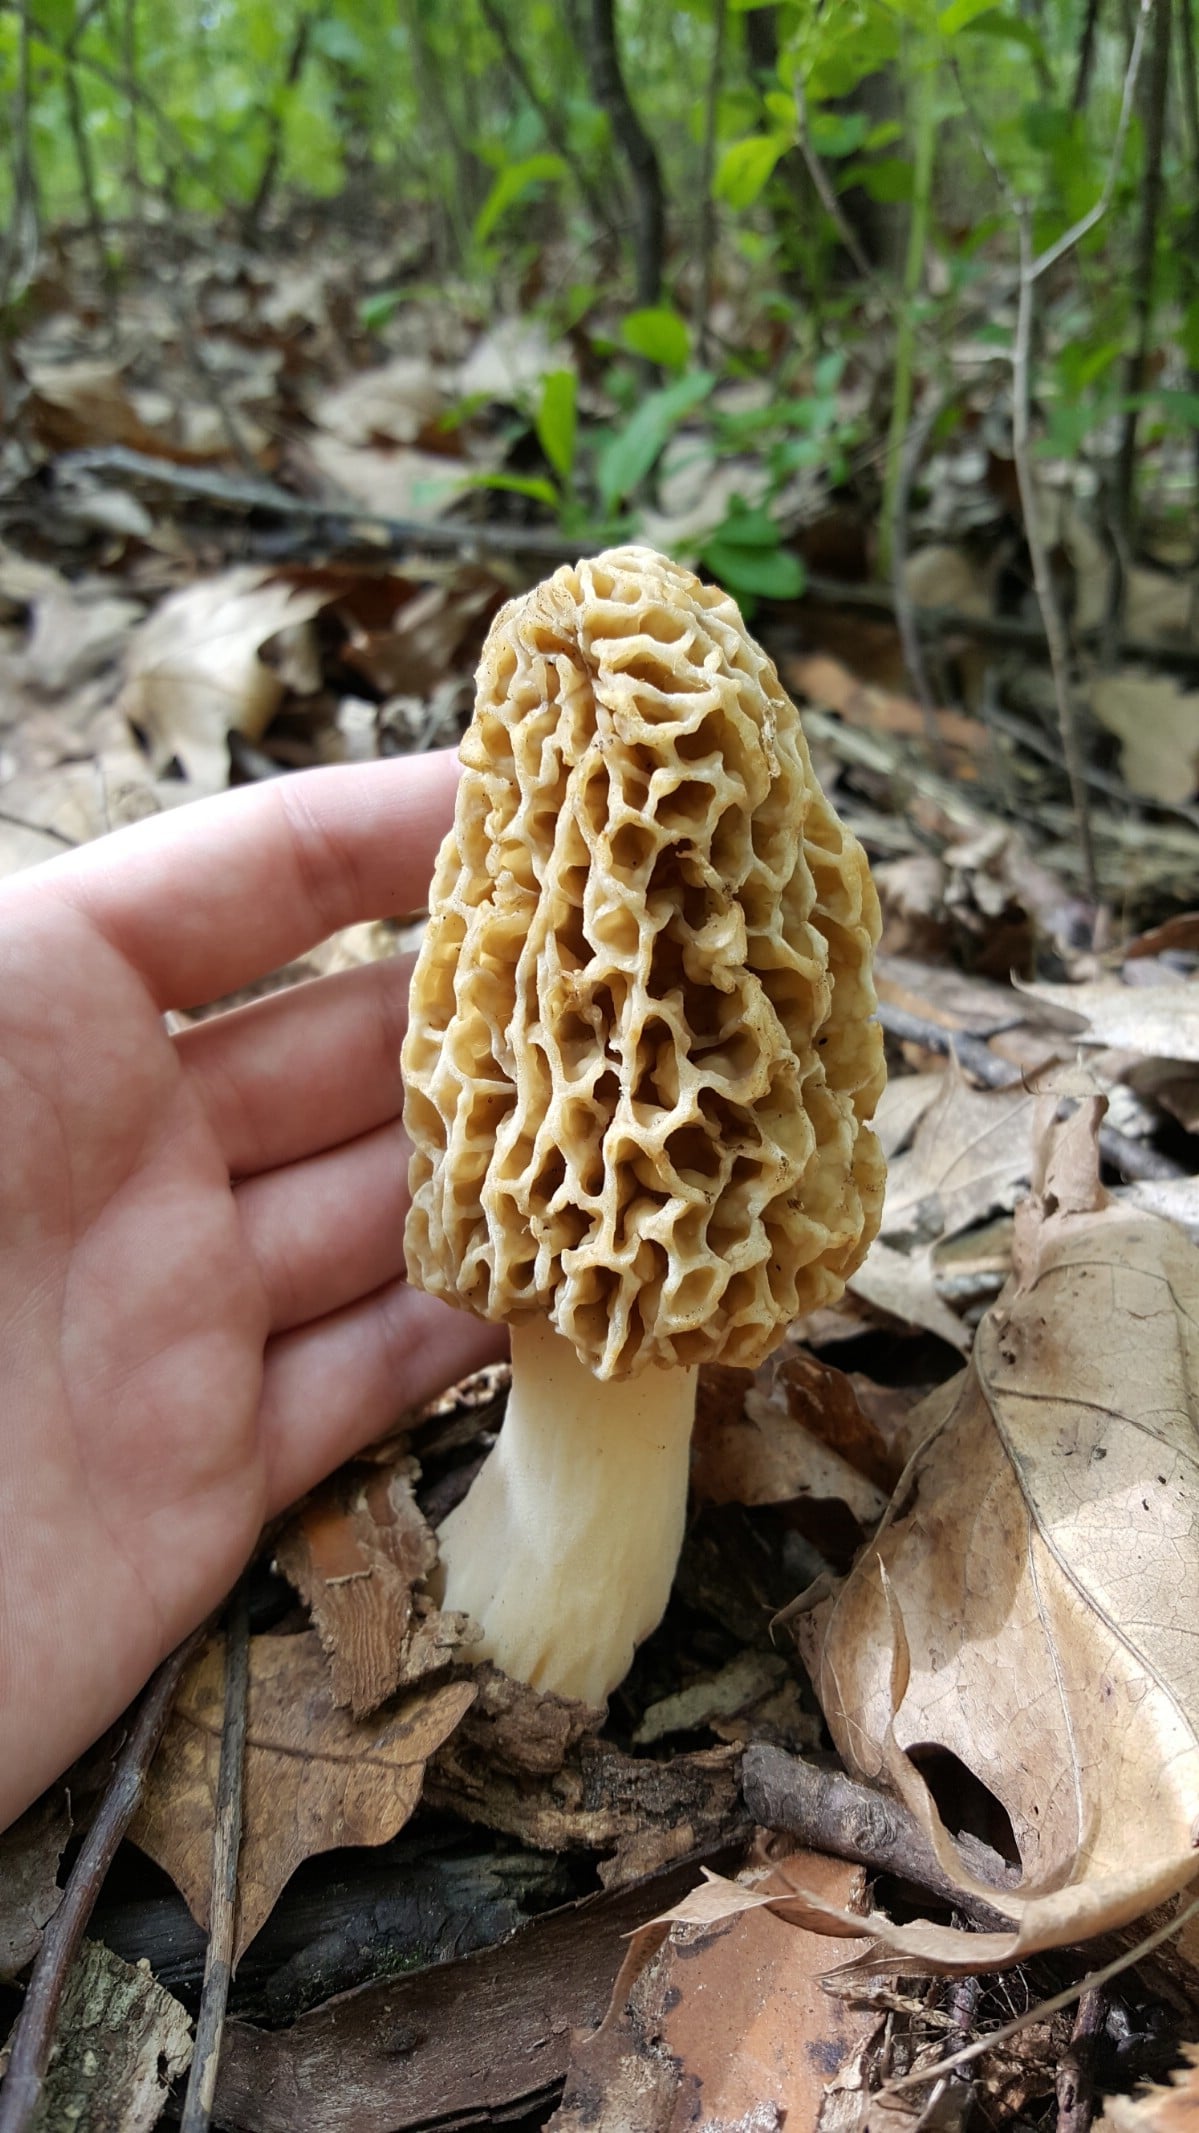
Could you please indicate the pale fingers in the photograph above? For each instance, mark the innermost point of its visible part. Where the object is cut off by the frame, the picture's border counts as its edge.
(333, 1386)
(330, 1230)
(305, 1069)
(210, 897)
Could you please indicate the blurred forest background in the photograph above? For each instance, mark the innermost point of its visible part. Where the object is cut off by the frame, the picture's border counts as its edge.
(883, 312)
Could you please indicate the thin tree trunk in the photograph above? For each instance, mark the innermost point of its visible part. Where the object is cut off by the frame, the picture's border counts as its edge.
(1189, 252)
(1086, 56)
(77, 120)
(649, 230)
(707, 203)
(264, 190)
(133, 166)
(20, 247)
(547, 112)
(1144, 282)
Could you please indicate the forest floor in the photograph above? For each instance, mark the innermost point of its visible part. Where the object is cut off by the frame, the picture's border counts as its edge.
(248, 534)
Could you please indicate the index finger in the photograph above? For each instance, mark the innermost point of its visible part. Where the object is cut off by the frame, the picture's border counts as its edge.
(213, 895)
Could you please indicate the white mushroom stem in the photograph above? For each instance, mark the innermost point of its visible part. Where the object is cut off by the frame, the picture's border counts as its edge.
(566, 1546)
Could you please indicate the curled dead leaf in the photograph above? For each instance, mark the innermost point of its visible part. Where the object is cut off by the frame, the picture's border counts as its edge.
(1021, 1629)
(314, 1779)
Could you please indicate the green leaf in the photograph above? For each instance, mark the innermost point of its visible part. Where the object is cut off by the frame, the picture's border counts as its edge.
(756, 573)
(837, 133)
(378, 310)
(512, 185)
(998, 22)
(542, 492)
(660, 335)
(557, 419)
(960, 14)
(889, 179)
(746, 165)
(626, 457)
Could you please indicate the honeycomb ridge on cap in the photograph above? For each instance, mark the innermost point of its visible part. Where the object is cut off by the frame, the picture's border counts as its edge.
(639, 1066)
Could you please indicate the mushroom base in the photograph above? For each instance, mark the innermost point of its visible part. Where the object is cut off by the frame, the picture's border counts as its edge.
(566, 1546)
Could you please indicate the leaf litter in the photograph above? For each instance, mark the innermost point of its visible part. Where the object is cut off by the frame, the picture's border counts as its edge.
(999, 1636)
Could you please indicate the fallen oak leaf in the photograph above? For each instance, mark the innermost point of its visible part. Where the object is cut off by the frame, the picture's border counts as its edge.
(195, 672)
(735, 2031)
(1025, 1612)
(1160, 1020)
(314, 1779)
(970, 1155)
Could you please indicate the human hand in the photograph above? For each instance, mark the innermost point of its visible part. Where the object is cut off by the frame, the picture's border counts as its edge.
(202, 1303)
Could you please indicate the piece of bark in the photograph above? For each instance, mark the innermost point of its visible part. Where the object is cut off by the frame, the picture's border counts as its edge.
(590, 1796)
(449, 2046)
(729, 2028)
(29, 1892)
(356, 1553)
(121, 2042)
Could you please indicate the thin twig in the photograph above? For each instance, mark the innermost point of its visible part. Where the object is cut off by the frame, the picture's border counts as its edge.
(707, 198)
(1144, 284)
(226, 1847)
(1134, 1158)
(830, 203)
(1046, 591)
(831, 1812)
(454, 534)
(1094, 1981)
(33, 2034)
(1076, 2075)
(914, 446)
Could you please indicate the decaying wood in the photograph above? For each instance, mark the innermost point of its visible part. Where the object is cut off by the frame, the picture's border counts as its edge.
(121, 2042)
(448, 2045)
(645, 1814)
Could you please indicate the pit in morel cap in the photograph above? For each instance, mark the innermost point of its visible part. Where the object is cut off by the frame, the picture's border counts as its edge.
(639, 1071)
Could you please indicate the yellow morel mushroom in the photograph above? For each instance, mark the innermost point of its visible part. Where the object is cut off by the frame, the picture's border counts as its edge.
(640, 1067)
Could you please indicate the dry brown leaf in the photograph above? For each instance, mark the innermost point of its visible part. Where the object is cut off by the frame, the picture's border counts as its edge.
(195, 671)
(1159, 1020)
(1027, 1608)
(510, 360)
(792, 1434)
(1173, 2108)
(314, 1779)
(89, 403)
(969, 1157)
(394, 403)
(730, 2033)
(1157, 725)
(29, 1893)
(901, 1107)
(355, 1554)
(904, 1285)
(825, 681)
(950, 997)
(398, 483)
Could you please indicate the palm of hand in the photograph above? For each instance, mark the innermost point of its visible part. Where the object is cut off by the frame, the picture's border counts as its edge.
(137, 1321)
(202, 1305)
